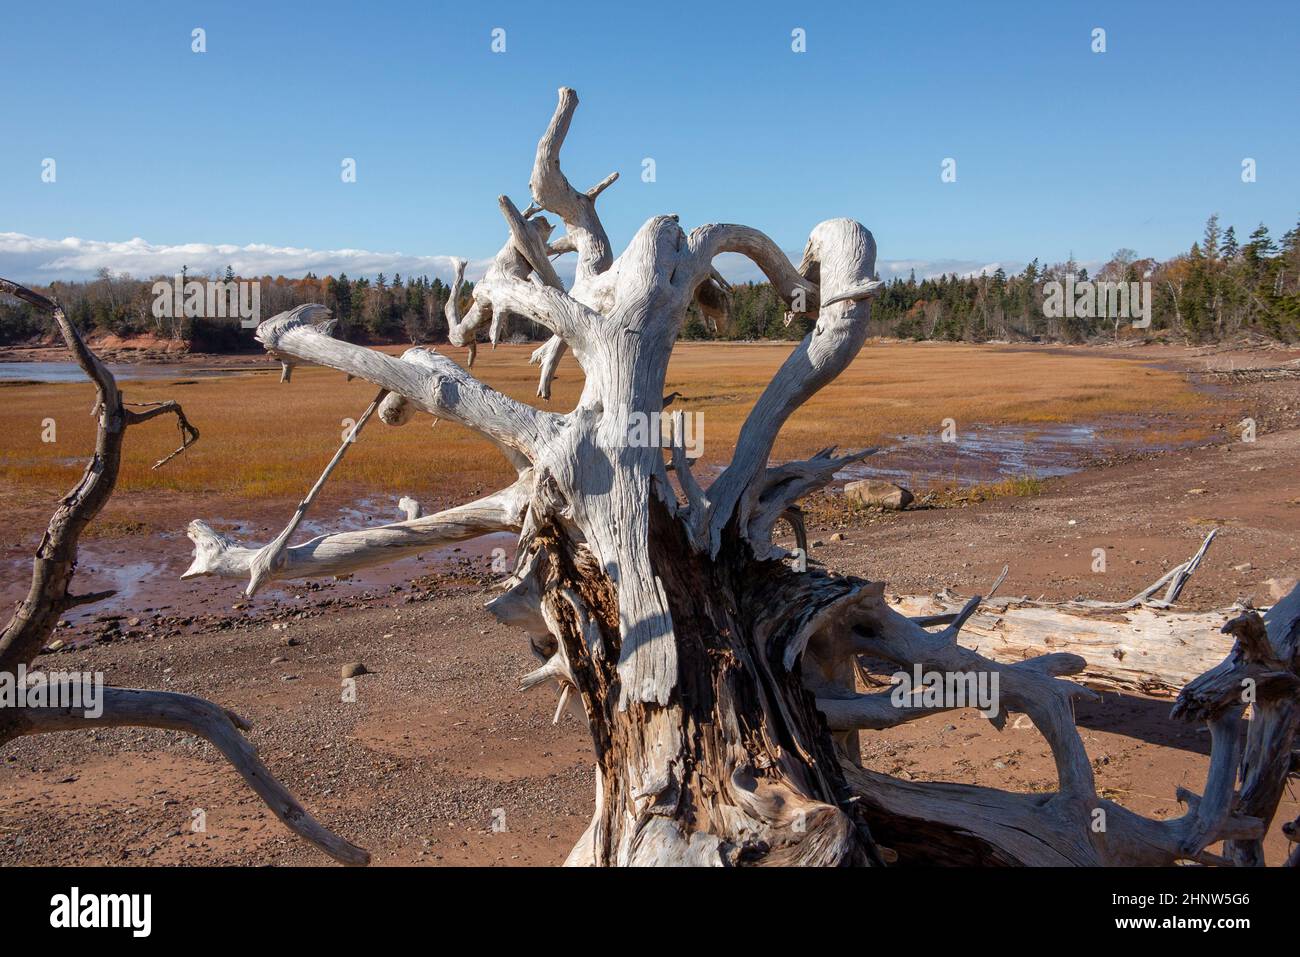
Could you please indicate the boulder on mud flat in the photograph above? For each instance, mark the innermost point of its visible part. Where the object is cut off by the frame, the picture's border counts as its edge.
(878, 493)
(1279, 588)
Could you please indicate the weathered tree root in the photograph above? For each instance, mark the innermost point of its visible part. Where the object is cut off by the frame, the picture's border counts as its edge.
(717, 682)
(1073, 826)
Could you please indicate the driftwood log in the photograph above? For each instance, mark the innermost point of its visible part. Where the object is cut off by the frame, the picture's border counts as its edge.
(49, 597)
(1139, 645)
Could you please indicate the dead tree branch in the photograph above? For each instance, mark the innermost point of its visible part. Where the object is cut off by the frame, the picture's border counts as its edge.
(48, 597)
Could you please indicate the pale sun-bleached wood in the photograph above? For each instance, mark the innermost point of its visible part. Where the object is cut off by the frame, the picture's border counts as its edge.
(713, 676)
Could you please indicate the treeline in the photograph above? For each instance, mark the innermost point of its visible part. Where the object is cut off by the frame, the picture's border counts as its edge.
(379, 310)
(1221, 288)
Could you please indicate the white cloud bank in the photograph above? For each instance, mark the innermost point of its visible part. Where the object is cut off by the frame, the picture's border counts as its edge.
(36, 260)
(33, 259)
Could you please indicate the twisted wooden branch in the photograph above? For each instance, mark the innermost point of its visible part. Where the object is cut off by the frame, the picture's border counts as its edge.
(551, 190)
(189, 434)
(48, 597)
(345, 552)
(128, 707)
(842, 254)
(428, 380)
(56, 556)
(1073, 826)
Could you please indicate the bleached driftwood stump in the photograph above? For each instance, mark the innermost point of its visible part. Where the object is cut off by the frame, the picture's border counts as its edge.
(707, 668)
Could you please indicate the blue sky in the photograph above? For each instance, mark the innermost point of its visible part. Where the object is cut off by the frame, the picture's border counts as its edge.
(1058, 149)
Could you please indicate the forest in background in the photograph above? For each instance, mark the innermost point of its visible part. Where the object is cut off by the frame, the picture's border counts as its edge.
(1222, 288)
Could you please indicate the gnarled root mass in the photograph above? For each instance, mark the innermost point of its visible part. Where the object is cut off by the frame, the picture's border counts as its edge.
(718, 677)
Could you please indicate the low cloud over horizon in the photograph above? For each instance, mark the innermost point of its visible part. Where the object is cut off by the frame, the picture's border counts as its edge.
(39, 261)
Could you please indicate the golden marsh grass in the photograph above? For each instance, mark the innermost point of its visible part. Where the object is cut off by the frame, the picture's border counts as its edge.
(264, 440)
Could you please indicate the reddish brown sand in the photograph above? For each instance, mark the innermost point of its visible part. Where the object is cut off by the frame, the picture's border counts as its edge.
(439, 738)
